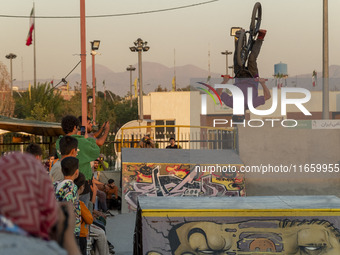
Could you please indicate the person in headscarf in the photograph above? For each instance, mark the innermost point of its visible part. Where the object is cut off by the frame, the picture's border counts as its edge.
(29, 210)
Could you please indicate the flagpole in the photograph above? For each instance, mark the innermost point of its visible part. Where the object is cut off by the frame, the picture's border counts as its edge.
(175, 68)
(34, 52)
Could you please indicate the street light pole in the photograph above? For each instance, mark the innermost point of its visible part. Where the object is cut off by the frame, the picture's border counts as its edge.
(11, 56)
(130, 68)
(226, 53)
(325, 71)
(140, 46)
(94, 46)
(83, 64)
(140, 73)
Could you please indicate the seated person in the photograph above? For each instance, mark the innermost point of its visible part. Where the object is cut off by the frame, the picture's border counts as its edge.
(147, 142)
(112, 198)
(86, 216)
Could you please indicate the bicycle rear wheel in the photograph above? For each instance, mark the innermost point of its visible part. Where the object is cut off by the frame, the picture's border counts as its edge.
(242, 50)
(255, 22)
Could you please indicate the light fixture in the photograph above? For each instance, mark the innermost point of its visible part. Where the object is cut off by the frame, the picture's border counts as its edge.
(233, 30)
(95, 45)
(89, 99)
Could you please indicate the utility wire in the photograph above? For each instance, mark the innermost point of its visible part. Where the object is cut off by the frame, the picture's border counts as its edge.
(112, 15)
(64, 79)
(53, 87)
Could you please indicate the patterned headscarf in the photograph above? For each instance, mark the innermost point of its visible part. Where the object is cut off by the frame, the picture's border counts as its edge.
(26, 194)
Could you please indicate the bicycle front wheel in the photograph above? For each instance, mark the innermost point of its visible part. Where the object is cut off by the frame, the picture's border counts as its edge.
(255, 22)
(242, 50)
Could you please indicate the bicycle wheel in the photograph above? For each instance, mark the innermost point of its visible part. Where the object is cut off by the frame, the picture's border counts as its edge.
(255, 22)
(242, 50)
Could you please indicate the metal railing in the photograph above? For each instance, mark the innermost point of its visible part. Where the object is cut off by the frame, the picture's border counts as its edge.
(187, 137)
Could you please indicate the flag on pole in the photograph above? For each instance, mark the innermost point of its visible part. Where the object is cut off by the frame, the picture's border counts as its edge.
(174, 83)
(135, 85)
(29, 91)
(30, 32)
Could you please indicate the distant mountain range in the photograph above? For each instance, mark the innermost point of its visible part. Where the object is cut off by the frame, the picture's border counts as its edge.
(155, 74)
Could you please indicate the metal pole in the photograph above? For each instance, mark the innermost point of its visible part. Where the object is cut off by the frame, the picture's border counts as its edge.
(11, 76)
(83, 63)
(325, 71)
(34, 43)
(130, 85)
(232, 70)
(226, 53)
(93, 89)
(140, 84)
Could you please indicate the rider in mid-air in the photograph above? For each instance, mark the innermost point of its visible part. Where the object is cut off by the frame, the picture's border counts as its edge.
(248, 76)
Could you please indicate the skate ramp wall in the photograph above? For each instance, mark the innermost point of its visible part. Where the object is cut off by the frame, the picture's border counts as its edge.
(168, 173)
(238, 225)
(298, 149)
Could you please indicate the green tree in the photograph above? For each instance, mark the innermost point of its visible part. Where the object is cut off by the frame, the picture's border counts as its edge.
(42, 95)
(6, 100)
(160, 89)
(40, 112)
(125, 113)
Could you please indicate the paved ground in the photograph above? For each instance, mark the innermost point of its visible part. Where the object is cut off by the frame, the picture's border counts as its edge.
(119, 231)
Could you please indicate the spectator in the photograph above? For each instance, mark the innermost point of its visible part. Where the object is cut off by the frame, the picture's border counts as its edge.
(88, 151)
(102, 165)
(101, 134)
(49, 162)
(101, 244)
(35, 150)
(68, 148)
(173, 144)
(86, 216)
(112, 198)
(66, 190)
(33, 223)
(147, 142)
(102, 205)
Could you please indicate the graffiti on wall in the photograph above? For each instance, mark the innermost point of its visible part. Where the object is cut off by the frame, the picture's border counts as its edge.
(289, 236)
(177, 180)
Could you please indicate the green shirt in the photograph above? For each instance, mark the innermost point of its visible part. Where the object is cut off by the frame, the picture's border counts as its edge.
(88, 151)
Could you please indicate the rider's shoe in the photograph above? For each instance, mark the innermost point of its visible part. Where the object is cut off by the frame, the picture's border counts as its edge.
(238, 33)
(262, 34)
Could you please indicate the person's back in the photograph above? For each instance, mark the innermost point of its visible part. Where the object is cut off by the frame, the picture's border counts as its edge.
(66, 190)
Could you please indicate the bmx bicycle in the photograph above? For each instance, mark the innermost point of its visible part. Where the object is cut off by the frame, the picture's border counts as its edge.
(244, 44)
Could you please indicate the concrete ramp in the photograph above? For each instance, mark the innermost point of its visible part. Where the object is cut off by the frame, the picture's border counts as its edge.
(238, 225)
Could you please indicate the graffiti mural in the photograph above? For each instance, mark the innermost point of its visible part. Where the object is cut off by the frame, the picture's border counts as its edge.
(177, 180)
(241, 236)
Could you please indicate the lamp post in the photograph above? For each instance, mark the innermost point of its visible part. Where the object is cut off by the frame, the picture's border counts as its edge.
(11, 56)
(226, 53)
(140, 46)
(131, 69)
(83, 63)
(325, 63)
(94, 47)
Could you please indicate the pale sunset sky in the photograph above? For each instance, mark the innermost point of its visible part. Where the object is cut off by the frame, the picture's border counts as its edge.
(294, 34)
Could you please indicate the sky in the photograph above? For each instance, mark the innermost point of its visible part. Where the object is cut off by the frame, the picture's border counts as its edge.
(294, 34)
